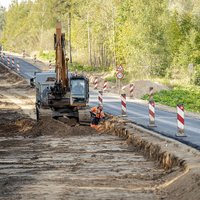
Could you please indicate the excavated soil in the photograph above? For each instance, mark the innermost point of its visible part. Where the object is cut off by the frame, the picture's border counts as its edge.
(52, 160)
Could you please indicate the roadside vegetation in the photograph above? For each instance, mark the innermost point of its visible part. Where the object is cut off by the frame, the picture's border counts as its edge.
(187, 95)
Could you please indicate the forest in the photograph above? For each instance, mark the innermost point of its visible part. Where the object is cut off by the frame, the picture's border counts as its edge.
(157, 38)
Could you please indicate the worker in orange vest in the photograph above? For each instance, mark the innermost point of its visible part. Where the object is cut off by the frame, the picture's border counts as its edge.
(97, 114)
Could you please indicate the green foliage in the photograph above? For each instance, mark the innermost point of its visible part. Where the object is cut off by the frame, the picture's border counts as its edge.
(104, 33)
(188, 96)
(197, 76)
(2, 18)
(47, 55)
(85, 68)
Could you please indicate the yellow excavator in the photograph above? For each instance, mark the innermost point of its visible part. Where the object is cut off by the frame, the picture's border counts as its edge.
(60, 93)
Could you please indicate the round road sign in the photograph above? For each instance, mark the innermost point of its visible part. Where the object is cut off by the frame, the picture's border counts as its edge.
(120, 75)
(119, 68)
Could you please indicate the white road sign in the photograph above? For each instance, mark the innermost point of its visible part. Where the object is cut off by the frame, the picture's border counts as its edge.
(120, 68)
(120, 75)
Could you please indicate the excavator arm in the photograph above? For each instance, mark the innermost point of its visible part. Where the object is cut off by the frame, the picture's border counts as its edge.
(61, 67)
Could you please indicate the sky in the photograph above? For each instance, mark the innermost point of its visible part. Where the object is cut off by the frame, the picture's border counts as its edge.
(6, 3)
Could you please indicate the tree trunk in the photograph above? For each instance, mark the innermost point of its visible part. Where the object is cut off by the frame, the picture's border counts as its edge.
(69, 37)
(89, 42)
(114, 44)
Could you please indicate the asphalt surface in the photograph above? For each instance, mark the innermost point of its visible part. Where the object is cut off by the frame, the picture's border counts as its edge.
(166, 122)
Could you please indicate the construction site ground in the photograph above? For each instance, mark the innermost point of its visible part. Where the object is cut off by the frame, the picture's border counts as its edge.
(52, 160)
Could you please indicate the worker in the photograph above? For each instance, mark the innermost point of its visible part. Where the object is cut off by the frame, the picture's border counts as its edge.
(97, 115)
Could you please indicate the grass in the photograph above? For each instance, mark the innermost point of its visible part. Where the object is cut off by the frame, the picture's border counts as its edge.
(50, 55)
(86, 68)
(188, 96)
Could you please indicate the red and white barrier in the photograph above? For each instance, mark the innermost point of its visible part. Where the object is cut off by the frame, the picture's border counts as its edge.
(18, 66)
(180, 120)
(152, 114)
(131, 90)
(8, 60)
(13, 62)
(105, 86)
(100, 98)
(151, 94)
(23, 53)
(123, 103)
(35, 58)
(76, 72)
(96, 83)
(50, 65)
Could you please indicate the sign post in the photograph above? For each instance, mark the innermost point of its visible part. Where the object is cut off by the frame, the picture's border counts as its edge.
(119, 75)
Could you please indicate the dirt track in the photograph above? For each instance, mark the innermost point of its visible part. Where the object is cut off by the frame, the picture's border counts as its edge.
(50, 160)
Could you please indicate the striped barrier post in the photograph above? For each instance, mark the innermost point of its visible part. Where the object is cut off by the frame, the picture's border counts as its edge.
(23, 53)
(180, 120)
(96, 83)
(151, 94)
(35, 58)
(13, 62)
(50, 65)
(105, 86)
(123, 104)
(151, 113)
(131, 90)
(76, 73)
(100, 98)
(8, 60)
(18, 66)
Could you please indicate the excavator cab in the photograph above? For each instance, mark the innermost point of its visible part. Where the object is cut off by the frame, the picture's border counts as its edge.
(79, 91)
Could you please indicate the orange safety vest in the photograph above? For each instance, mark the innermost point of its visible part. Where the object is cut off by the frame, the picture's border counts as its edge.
(98, 113)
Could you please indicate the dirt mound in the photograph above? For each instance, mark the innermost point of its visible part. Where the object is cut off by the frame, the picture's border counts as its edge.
(10, 76)
(49, 126)
(8, 125)
(141, 87)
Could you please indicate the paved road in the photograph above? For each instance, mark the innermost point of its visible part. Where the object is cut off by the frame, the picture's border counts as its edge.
(26, 69)
(138, 113)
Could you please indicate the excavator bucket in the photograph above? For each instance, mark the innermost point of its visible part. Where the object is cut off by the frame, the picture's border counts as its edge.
(84, 116)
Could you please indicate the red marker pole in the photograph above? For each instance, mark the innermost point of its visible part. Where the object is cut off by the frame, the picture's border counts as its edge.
(180, 121)
(23, 53)
(131, 90)
(96, 83)
(105, 86)
(13, 62)
(152, 114)
(100, 98)
(8, 60)
(18, 66)
(35, 58)
(50, 66)
(123, 104)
